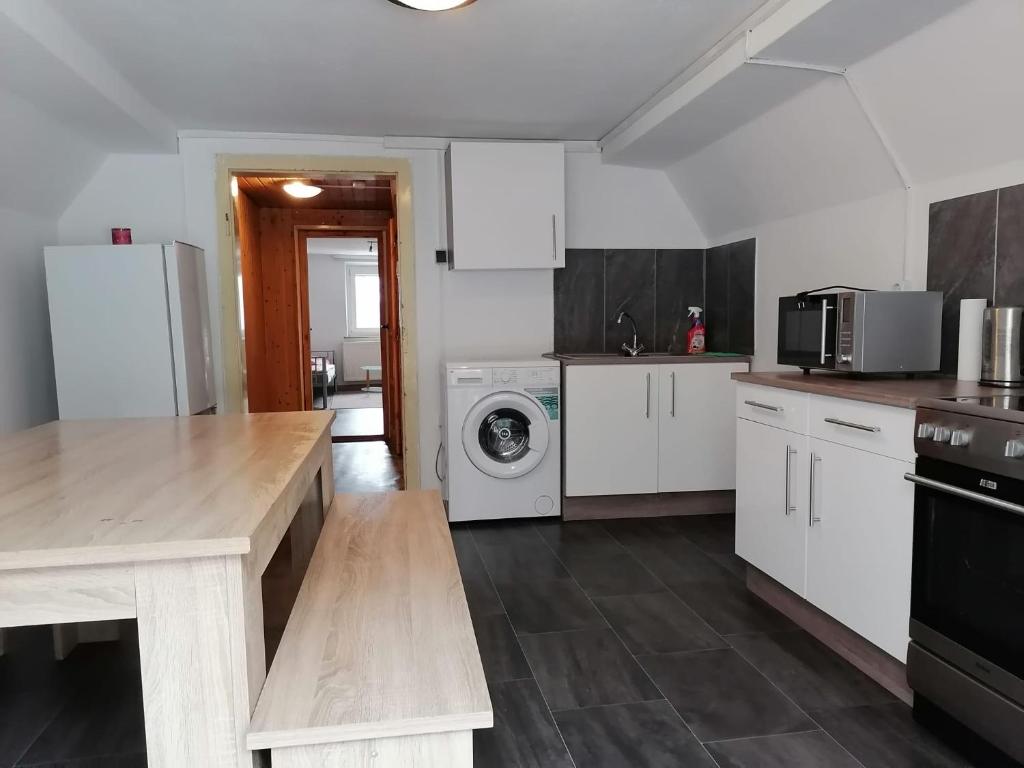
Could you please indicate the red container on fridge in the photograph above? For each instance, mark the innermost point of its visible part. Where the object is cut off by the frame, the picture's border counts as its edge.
(121, 236)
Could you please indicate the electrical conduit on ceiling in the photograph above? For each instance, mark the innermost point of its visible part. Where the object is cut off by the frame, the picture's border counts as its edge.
(883, 139)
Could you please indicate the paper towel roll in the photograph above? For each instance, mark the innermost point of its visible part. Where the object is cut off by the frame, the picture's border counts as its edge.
(972, 313)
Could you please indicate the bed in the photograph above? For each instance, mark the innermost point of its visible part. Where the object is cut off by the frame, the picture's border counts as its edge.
(325, 374)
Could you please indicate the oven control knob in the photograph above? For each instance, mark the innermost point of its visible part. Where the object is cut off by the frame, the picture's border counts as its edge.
(960, 438)
(942, 434)
(1014, 449)
(925, 431)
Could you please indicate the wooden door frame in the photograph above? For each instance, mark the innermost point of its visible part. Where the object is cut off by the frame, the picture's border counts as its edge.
(302, 234)
(232, 352)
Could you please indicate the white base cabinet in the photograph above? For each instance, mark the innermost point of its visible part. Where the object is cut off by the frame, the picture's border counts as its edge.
(822, 507)
(611, 429)
(771, 501)
(634, 428)
(859, 548)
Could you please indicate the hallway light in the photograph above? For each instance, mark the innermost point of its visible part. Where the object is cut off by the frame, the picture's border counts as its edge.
(301, 189)
(432, 5)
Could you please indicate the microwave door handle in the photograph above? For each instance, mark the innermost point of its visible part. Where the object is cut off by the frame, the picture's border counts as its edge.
(963, 493)
(824, 328)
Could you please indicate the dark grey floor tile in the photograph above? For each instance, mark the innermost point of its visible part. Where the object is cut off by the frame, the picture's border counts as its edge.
(579, 539)
(500, 653)
(481, 597)
(711, 533)
(548, 606)
(887, 736)
(679, 561)
(23, 716)
(793, 750)
(586, 668)
(644, 735)
(103, 718)
(522, 561)
(618, 574)
(504, 533)
(102, 761)
(720, 696)
(808, 672)
(729, 607)
(732, 562)
(658, 623)
(470, 564)
(524, 735)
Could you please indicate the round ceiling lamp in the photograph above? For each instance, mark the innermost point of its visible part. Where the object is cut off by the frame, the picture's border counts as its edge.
(301, 189)
(432, 5)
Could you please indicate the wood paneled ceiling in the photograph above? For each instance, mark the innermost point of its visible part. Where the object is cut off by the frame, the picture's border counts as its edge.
(346, 192)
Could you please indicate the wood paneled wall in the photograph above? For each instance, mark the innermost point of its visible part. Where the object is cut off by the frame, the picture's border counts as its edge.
(281, 386)
(247, 222)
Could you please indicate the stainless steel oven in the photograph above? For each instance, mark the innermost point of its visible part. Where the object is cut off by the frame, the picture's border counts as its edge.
(861, 331)
(966, 655)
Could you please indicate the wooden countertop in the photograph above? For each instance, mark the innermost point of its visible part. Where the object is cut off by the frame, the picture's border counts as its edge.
(380, 642)
(646, 359)
(129, 490)
(899, 392)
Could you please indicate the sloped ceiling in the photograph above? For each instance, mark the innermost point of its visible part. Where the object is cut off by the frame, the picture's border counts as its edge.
(949, 99)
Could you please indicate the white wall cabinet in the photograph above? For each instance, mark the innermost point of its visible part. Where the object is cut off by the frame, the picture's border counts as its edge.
(859, 548)
(847, 543)
(697, 442)
(771, 501)
(611, 429)
(633, 428)
(506, 205)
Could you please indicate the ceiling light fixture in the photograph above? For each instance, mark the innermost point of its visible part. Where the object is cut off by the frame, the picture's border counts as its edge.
(432, 5)
(301, 189)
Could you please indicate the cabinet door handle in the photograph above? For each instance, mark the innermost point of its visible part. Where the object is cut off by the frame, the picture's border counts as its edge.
(812, 517)
(790, 453)
(852, 425)
(648, 405)
(554, 237)
(763, 406)
(672, 376)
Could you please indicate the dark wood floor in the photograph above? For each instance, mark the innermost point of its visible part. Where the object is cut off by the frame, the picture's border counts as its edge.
(358, 422)
(635, 643)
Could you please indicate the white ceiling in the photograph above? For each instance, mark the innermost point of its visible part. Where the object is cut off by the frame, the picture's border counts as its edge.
(554, 69)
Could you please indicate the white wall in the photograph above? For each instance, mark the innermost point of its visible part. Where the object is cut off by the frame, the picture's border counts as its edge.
(458, 313)
(609, 206)
(144, 192)
(27, 392)
(327, 317)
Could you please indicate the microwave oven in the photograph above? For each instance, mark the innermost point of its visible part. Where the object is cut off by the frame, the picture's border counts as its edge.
(862, 331)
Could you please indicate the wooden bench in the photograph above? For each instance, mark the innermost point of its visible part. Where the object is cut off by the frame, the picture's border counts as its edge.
(378, 665)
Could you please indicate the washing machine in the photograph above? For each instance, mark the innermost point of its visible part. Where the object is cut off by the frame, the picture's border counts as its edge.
(502, 439)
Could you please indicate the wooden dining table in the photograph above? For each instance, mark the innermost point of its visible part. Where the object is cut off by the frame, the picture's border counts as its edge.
(171, 522)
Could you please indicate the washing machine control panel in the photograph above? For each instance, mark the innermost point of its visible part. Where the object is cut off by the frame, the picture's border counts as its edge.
(524, 377)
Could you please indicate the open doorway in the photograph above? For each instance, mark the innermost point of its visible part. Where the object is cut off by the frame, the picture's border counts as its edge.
(319, 309)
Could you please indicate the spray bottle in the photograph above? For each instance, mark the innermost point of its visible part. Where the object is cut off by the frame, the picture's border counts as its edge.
(695, 336)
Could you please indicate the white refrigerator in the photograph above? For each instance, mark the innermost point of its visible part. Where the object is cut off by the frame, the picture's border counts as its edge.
(131, 330)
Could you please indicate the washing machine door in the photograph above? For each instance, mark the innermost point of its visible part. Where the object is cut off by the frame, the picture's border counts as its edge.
(505, 435)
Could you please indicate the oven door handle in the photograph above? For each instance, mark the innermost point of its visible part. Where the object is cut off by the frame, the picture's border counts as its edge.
(963, 493)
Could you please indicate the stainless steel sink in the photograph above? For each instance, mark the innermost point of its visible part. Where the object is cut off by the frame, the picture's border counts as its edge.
(608, 355)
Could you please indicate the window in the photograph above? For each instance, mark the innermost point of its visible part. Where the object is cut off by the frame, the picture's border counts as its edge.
(362, 298)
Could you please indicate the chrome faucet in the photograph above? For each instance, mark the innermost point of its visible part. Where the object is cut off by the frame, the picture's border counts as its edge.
(634, 349)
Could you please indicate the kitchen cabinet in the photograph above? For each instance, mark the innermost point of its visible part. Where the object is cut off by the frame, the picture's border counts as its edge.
(859, 542)
(611, 429)
(771, 501)
(846, 545)
(506, 205)
(696, 438)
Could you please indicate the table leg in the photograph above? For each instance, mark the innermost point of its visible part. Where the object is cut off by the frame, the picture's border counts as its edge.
(201, 646)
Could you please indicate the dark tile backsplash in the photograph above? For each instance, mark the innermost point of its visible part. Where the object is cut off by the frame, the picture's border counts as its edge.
(657, 287)
(975, 251)
(629, 277)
